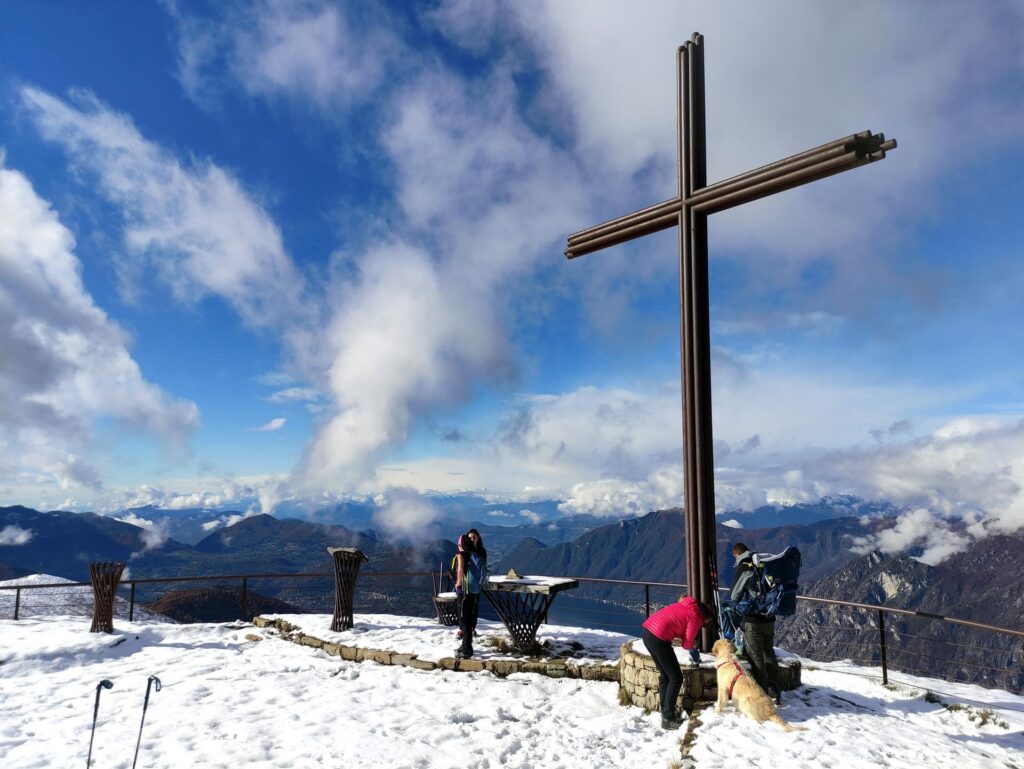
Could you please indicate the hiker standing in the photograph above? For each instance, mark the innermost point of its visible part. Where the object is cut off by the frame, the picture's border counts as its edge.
(682, 620)
(758, 629)
(478, 546)
(468, 583)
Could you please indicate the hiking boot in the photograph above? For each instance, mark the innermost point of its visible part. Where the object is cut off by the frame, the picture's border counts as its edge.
(461, 655)
(670, 724)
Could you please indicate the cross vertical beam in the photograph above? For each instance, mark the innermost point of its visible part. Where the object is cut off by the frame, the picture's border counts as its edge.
(689, 210)
(695, 326)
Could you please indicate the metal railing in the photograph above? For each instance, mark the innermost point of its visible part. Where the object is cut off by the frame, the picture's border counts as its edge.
(876, 614)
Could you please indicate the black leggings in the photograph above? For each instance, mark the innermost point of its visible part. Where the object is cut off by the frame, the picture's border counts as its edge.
(671, 679)
(467, 620)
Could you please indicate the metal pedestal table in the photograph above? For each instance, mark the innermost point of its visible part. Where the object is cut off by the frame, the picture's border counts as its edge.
(522, 604)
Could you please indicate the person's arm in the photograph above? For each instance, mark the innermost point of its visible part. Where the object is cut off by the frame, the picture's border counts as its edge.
(690, 639)
(739, 586)
(460, 572)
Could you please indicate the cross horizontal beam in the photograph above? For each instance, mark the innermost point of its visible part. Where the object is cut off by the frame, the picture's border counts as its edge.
(840, 155)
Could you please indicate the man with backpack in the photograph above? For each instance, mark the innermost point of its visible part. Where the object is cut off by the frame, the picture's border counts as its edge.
(758, 628)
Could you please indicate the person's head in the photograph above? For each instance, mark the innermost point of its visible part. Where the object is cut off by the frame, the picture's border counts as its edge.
(475, 538)
(739, 548)
(461, 542)
(710, 615)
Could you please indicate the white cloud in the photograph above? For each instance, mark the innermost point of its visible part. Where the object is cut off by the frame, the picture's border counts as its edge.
(300, 48)
(223, 522)
(531, 516)
(291, 394)
(204, 494)
(916, 528)
(193, 224)
(405, 514)
(779, 83)
(274, 424)
(154, 533)
(616, 498)
(15, 535)
(66, 363)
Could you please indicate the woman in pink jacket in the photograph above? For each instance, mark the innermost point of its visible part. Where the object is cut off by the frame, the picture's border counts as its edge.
(682, 620)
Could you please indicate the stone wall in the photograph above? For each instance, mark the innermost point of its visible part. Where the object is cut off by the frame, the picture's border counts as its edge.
(638, 680)
(553, 668)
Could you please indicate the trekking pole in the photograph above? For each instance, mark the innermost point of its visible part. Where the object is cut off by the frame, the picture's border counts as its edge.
(145, 704)
(718, 597)
(104, 684)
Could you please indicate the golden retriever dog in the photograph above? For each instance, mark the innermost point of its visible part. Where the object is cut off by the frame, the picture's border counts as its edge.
(734, 682)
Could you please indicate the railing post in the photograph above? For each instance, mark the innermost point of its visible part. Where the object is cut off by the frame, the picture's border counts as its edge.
(881, 643)
(245, 596)
(131, 604)
(17, 602)
(647, 600)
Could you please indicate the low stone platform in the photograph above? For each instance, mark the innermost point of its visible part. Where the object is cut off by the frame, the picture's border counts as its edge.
(638, 679)
(553, 668)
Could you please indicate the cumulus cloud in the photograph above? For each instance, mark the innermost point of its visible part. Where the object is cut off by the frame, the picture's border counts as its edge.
(15, 535)
(193, 224)
(615, 498)
(794, 106)
(217, 494)
(405, 514)
(223, 522)
(308, 49)
(274, 424)
(531, 516)
(154, 532)
(66, 363)
(917, 528)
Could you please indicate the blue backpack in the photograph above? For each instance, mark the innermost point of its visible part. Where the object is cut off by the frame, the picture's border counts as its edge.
(773, 586)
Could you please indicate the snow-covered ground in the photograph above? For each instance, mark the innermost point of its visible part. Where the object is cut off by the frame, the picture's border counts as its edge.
(230, 701)
(430, 641)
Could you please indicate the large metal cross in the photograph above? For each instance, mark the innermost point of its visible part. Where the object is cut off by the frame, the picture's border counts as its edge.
(689, 210)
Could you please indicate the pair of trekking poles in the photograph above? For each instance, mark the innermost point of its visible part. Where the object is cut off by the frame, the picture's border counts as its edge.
(106, 684)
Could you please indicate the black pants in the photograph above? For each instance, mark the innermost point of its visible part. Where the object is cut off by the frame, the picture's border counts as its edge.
(759, 643)
(671, 679)
(468, 612)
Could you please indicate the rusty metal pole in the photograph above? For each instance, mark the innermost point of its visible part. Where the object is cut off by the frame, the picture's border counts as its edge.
(647, 601)
(17, 602)
(881, 643)
(131, 604)
(245, 597)
(698, 470)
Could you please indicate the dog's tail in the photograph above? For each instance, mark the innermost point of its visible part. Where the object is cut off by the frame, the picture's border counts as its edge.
(775, 718)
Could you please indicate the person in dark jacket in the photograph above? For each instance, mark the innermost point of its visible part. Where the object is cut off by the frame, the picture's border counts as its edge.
(682, 620)
(468, 584)
(758, 629)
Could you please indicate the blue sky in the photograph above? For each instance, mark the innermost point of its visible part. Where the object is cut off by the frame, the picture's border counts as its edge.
(283, 251)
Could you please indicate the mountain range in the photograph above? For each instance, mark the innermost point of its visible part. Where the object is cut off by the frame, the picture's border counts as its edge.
(979, 584)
